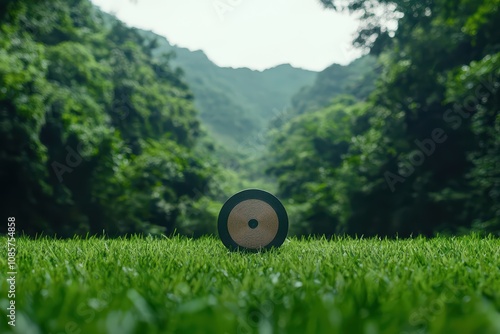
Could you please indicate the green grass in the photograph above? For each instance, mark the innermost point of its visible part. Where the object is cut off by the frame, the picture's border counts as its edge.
(179, 285)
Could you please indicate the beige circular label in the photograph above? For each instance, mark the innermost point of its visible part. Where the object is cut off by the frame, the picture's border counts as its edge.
(241, 232)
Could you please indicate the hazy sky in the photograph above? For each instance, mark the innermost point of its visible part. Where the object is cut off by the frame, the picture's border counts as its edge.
(247, 33)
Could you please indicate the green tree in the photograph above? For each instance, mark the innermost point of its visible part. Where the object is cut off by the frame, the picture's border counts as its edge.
(422, 155)
(98, 135)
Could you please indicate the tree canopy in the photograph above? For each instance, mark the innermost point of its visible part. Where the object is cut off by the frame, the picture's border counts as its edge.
(97, 134)
(420, 155)
(101, 134)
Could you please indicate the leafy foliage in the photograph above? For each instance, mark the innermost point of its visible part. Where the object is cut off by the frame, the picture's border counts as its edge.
(422, 156)
(97, 134)
(100, 132)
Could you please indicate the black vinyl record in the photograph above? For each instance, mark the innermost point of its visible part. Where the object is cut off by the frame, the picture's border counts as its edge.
(252, 219)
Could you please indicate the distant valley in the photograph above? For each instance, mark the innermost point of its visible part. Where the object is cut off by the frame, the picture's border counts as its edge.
(235, 104)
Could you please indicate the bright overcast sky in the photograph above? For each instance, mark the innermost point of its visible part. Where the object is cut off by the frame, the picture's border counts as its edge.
(258, 34)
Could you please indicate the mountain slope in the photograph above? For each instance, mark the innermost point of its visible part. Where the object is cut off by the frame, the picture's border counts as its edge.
(234, 104)
(356, 79)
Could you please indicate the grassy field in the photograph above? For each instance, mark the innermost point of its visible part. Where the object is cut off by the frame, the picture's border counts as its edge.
(179, 285)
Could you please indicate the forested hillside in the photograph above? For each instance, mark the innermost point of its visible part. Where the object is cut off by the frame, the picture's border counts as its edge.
(97, 134)
(356, 79)
(118, 152)
(234, 103)
(100, 130)
(422, 154)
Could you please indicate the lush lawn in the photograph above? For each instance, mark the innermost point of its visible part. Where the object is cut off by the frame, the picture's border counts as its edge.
(442, 285)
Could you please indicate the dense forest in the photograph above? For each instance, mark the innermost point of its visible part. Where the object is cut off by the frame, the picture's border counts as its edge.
(103, 127)
(421, 154)
(97, 135)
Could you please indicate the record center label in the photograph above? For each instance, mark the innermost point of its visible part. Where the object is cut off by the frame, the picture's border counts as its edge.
(253, 223)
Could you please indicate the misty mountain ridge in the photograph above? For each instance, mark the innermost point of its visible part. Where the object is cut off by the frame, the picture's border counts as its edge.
(236, 105)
